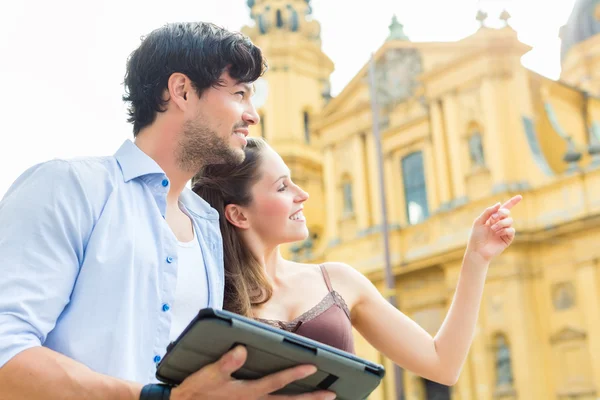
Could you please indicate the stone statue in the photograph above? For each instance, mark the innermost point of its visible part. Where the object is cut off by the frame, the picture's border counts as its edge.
(476, 150)
(348, 200)
(396, 30)
(563, 296)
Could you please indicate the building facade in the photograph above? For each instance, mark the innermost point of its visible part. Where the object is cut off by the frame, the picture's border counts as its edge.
(463, 125)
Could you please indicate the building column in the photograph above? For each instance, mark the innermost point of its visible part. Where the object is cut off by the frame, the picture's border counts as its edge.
(494, 132)
(374, 189)
(463, 388)
(523, 337)
(587, 285)
(440, 156)
(394, 190)
(433, 202)
(359, 184)
(480, 360)
(331, 195)
(456, 161)
(412, 389)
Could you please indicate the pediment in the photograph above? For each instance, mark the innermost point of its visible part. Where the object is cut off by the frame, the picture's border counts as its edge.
(568, 334)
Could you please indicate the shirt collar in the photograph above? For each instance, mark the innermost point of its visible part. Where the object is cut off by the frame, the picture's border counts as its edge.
(135, 163)
(197, 205)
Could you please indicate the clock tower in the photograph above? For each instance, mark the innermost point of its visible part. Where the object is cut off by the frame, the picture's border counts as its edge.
(289, 96)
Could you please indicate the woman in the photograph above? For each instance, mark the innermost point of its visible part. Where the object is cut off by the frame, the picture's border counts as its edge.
(261, 208)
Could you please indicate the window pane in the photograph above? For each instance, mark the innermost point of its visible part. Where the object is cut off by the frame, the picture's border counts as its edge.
(415, 191)
(306, 127)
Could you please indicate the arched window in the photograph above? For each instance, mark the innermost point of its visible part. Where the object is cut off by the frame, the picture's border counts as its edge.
(503, 364)
(306, 119)
(293, 18)
(415, 191)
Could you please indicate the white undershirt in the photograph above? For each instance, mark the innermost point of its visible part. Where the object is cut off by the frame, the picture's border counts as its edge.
(191, 293)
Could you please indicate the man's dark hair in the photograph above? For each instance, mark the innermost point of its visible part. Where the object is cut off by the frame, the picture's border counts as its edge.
(202, 51)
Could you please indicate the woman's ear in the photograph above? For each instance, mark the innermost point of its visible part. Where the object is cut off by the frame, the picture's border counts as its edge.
(235, 216)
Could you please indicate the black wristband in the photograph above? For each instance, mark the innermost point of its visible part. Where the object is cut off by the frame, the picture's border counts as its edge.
(155, 392)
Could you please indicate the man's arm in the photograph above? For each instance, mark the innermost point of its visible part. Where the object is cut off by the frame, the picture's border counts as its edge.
(40, 373)
(45, 218)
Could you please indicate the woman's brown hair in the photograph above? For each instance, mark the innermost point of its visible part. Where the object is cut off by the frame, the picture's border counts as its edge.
(246, 282)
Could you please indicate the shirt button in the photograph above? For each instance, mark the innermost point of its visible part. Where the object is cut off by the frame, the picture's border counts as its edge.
(156, 359)
(165, 182)
(169, 259)
(166, 307)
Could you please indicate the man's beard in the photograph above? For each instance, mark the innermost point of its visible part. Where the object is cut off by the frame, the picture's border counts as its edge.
(200, 146)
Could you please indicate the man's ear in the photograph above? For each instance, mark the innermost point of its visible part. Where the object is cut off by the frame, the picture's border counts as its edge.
(236, 217)
(178, 87)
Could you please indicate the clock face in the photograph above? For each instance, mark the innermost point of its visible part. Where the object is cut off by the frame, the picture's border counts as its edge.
(261, 88)
(398, 73)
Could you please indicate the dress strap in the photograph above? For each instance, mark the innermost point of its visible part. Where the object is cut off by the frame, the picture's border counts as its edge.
(326, 277)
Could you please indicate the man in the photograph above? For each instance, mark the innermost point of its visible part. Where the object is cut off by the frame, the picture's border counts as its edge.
(104, 260)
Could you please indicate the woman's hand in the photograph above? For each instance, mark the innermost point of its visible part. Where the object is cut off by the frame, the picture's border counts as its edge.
(493, 230)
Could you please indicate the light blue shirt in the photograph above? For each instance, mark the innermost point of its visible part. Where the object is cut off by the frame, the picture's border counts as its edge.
(88, 264)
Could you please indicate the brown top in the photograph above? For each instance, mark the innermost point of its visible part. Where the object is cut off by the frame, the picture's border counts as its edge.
(328, 322)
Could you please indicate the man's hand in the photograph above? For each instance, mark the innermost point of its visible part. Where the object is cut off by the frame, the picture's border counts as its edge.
(215, 382)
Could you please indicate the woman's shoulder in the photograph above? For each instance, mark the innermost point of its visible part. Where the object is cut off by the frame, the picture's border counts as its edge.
(342, 275)
(352, 277)
(342, 271)
(348, 280)
(352, 284)
(335, 270)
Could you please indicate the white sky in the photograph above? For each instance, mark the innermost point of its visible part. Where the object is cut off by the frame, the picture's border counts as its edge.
(62, 61)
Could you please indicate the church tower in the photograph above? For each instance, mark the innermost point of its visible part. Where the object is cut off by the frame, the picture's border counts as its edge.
(291, 94)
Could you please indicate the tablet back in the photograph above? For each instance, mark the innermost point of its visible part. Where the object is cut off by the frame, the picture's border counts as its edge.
(214, 332)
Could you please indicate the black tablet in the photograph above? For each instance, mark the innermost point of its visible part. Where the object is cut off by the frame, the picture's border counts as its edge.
(213, 332)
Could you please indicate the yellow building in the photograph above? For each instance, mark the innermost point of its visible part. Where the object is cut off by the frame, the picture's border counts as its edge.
(463, 125)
